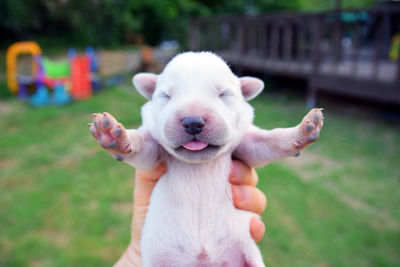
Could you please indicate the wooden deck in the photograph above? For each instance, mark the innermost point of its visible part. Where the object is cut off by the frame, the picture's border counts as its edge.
(344, 52)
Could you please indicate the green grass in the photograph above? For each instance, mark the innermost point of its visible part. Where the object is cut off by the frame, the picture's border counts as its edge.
(65, 202)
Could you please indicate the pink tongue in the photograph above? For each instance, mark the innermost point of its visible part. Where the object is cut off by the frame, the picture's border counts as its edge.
(195, 145)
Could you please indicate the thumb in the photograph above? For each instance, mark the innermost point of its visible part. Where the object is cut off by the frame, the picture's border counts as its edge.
(144, 184)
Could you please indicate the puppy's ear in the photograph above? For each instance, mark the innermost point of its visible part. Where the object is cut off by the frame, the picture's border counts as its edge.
(145, 83)
(251, 87)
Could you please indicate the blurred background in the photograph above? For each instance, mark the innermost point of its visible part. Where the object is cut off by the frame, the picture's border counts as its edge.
(66, 202)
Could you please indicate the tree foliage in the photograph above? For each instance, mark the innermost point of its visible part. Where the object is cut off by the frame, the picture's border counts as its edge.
(107, 22)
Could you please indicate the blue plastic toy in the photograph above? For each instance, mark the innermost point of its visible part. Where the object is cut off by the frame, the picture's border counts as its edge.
(60, 95)
(41, 97)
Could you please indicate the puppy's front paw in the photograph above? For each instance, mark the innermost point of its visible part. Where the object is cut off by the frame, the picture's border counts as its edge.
(110, 134)
(309, 128)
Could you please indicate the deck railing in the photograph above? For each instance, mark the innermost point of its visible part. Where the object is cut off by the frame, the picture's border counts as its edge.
(360, 45)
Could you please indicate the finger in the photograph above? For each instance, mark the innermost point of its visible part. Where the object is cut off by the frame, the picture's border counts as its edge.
(257, 229)
(144, 184)
(249, 198)
(241, 174)
(152, 175)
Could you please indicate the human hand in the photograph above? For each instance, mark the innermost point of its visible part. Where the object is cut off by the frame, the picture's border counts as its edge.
(245, 196)
(144, 184)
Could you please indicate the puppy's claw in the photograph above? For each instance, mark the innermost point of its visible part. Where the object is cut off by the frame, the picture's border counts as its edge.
(110, 134)
(118, 157)
(297, 144)
(128, 148)
(310, 128)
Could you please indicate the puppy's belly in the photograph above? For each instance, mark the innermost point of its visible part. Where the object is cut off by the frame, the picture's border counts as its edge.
(187, 229)
(232, 258)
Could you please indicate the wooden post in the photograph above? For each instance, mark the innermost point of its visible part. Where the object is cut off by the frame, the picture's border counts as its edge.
(263, 40)
(377, 47)
(317, 28)
(241, 46)
(240, 38)
(311, 101)
(337, 39)
(317, 33)
(398, 64)
(356, 47)
(302, 42)
(269, 39)
(194, 36)
(275, 40)
(288, 41)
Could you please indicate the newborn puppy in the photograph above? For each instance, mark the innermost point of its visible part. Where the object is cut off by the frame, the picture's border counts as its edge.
(196, 120)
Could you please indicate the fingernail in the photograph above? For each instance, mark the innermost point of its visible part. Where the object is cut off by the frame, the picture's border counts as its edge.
(257, 229)
(239, 194)
(244, 194)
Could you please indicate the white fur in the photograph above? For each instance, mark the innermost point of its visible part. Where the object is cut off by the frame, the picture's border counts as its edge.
(191, 219)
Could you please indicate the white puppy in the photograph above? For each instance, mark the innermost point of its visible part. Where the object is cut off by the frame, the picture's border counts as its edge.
(196, 120)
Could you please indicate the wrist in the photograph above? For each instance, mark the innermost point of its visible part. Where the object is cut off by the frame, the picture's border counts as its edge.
(131, 257)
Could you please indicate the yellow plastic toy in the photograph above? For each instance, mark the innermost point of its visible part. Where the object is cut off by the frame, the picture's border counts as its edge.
(13, 51)
(395, 47)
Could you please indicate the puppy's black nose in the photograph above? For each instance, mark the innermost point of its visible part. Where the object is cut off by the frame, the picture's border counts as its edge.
(193, 125)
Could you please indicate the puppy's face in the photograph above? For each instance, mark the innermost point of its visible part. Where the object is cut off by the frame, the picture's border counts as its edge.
(197, 109)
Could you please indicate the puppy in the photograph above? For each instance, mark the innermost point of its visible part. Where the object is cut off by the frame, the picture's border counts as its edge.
(196, 120)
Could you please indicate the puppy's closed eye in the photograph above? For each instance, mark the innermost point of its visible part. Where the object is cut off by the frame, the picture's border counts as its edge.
(225, 94)
(164, 96)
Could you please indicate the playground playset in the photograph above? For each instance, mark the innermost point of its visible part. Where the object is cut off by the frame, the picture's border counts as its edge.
(59, 82)
(52, 82)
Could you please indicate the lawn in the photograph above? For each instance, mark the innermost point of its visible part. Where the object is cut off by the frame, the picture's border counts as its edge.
(65, 202)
